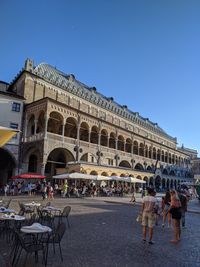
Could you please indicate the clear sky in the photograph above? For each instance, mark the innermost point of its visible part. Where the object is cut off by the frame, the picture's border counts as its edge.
(144, 53)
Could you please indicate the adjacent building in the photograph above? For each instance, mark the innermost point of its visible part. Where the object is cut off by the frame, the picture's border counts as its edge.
(11, 110)
(69, 126)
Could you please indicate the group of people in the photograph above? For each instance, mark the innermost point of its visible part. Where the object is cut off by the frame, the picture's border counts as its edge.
(174, 206)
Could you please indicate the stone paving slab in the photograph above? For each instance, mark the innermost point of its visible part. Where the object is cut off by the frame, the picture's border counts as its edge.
(107, 234)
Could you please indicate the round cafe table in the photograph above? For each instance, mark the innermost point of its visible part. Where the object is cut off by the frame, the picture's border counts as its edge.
(12, 217)
(37, 229)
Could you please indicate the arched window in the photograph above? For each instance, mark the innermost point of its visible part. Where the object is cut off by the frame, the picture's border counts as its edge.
(32, 164)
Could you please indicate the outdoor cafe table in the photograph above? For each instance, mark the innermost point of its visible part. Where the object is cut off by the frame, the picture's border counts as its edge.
(37, 229)
(12, 217)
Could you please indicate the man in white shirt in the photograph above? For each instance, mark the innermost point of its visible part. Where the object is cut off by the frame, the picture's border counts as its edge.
(149, 206)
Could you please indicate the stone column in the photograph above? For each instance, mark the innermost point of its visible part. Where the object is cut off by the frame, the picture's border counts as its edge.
(116, 143)
(46, 126)
(35, 126)
(78, 131)
(42, 170)
(108, 142)
(89, 136)
(63, 131)
(25, 128)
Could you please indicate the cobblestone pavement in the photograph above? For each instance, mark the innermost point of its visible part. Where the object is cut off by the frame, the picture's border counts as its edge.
(107, 234)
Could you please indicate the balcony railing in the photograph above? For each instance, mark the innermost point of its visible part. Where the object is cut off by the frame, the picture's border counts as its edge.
(36, 137)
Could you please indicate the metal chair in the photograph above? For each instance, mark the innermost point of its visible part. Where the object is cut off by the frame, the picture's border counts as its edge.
(55, 238)
(64, 214)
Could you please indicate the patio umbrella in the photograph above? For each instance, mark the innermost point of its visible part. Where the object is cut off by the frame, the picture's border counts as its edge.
(74, 175)
(29, 176)
(118, 178)
(134, 180)
(6, 134)
(102, 178)
(77, 175)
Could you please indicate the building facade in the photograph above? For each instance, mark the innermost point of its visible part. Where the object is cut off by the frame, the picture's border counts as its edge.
(69, 126)
(11, 110)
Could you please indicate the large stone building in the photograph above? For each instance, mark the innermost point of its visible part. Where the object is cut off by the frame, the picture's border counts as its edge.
(11, 110)
(69, 126)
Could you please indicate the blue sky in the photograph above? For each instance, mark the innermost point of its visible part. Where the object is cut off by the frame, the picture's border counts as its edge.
(144, 53)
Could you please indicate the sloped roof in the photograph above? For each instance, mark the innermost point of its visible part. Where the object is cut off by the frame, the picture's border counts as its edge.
(69, 83)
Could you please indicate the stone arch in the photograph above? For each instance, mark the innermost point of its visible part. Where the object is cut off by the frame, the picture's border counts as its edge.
(163, 183)
(31, 125)
(166, 157)
(175, 184)
(32, 159)
(146, 180)
(150, 152)
(84, 132)
(146, 151)
(168, 184)
(55, 123)
(139, 166)
(33, 163)
(89, 157)
(41, 123)
(124, 163)
(120, 143)
(112, 140)
(158, 154)
(163, 156)
(71, 128)
(128, 145)
(94, 135)
(57, 158)
(151, 182)
(149, 168)
(104, 174)
(104, 138)
(172, 173)
(154, 153)
(170, 158)
(8, 165)
(93, 173)
(141, 150)
(165, 171)
(157, 182)
(173, 158)
(135, 148)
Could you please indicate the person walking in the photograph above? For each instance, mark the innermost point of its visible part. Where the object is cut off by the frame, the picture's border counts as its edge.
(6, 189)
(133, 196)
(183, 200)
(166, 213)
(175, 210)
(149, 205)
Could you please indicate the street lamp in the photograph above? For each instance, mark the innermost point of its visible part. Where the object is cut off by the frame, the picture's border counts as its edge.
(77, 149)
(99, 155)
